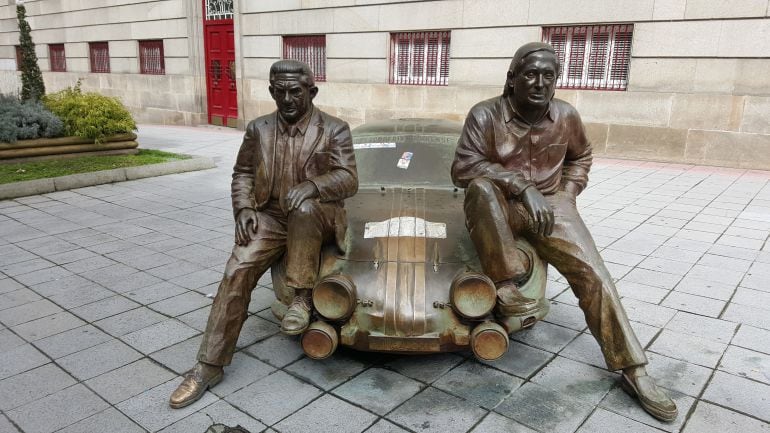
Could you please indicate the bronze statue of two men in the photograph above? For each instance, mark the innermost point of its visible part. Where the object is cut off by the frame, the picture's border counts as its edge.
(522, 157)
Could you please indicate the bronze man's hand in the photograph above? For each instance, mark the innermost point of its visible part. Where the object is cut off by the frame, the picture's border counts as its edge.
(300, 193)
(539, 210)
(245, 226)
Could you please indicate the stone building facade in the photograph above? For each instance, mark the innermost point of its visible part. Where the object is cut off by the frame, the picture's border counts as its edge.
(696, 87)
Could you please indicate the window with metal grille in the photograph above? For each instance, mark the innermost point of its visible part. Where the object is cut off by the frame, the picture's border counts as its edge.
(18, 57)
(151, 60)
(219, 9)
(310, 49)
(57, 58)
(592, 57)
(419, 58)
(99, 54)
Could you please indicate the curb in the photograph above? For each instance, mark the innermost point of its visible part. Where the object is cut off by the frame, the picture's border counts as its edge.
(81, 180)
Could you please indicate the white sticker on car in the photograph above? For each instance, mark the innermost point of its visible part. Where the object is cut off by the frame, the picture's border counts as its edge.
(374, 146)
(405, 226)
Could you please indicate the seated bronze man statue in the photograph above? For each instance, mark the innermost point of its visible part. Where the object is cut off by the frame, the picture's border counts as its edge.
(523, 157)
(293, 171)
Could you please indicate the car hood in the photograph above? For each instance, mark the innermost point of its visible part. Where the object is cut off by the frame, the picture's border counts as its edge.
(407, 225)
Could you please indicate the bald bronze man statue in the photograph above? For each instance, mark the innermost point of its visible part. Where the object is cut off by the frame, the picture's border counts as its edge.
(294, 169)
(523, 157)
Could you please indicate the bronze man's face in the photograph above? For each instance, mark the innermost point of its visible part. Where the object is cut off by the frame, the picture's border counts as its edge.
(292, 95)
(534, 82)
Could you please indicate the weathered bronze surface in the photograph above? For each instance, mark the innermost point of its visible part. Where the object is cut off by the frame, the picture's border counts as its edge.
(523, 157)
(293, 171)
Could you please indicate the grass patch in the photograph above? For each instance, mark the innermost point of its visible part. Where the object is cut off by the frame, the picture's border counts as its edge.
(18, 172)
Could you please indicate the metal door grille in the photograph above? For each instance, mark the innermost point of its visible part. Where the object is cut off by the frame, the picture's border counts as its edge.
(57, 58)
(99, 53)
(151, 59)
(219, 9)
(592, 57)
(419, 58)
(310, 49)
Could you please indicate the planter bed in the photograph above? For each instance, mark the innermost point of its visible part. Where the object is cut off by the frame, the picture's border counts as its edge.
(44, 147)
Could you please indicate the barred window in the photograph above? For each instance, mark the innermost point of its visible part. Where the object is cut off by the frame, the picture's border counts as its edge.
(57, 58)
(18, 57)
(419, 58)
(592, 57)
(310, 49)
(151, 60)
(99, 54)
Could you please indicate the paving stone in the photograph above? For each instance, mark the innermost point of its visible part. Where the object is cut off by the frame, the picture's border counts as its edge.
(85, 295)
(129, 380)
(17, 297)
(426, 368)
(274, 397)
(170, 267)
(328, 414)
(64, 285)
(150, 409)
(494, 423)
(605, 421)
(197, 279)
(6, 426)
(181, 304)
(9, 285)
(435, 411)
(130, 321)
(25, 267)
(44, 276)
(659, 279)
(649, 314)
(326, 373)
(197, 319)
(689, 348)
(99, 359)
(255, 329)
(159, 336)
(74, 340)
(104, 308)
(9, 340)
(756, 281)
(749, 338)
(179, 357)
(28, 312)
(694, 304)
(243, 371)
(705, 327)
(641, 292)
(222, 413)
(520, 360)
(678, 375)
(478, 384)
(622, 404)
(746, 363)
(110, 275)
(751, 297)
(57, 410)
(566, 315)
(742, 395)
(707, 288)
(155, 292)
(585, 349)
(32, 385)
(544, 409)
(47, 326)
(109, 420)
(71, 256)
(709, 418)
(278, 350)
(576, 380)
(747, 315)
(261, 298)
(88, 264)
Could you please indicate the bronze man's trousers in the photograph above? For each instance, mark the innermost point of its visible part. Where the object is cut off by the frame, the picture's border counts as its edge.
(493, 222)
(299, 236)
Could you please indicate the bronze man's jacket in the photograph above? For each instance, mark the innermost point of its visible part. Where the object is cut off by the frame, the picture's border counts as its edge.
(326, 158)
(498, 144)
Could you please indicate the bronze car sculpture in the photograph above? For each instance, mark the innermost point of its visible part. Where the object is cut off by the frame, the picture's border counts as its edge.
(409, 280)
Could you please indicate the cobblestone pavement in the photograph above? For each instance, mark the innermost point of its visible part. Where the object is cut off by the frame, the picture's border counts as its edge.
(104, 292)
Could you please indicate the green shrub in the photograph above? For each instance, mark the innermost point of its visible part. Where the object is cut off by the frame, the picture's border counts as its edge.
(89, 115)
(26, 120)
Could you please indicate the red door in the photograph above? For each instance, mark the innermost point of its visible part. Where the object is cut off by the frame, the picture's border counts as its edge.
(220, 73)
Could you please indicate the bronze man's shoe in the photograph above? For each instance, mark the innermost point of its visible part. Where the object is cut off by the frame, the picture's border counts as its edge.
(195, 383)
(297, 317)
(510, 302)
(653, 399)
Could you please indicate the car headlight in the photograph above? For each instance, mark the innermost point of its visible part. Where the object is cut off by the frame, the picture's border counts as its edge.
(334, 297)
(472, 295)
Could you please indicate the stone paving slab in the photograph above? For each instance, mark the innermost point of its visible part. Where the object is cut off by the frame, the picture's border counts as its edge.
(104, 296)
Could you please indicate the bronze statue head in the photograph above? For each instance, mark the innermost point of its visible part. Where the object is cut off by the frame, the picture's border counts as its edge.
(532, 75)
(292, 88)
